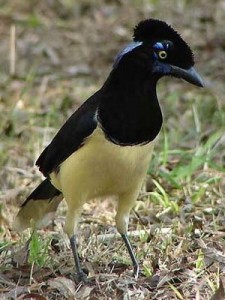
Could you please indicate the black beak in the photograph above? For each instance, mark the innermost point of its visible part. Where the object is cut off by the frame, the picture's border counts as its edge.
(189, 75)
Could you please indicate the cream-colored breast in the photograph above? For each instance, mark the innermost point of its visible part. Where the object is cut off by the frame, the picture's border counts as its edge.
(101, 167)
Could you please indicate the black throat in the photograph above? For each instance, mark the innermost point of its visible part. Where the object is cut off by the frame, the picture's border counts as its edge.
(129, 112)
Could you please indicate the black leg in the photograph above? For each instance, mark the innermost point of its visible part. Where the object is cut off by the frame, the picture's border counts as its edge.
(81, 276)
(132, 255)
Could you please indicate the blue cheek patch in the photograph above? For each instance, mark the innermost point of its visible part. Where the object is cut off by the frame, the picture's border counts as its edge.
(161, 68)
(126, 50)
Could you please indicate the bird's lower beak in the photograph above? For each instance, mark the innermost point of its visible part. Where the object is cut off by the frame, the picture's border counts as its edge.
(189, 75)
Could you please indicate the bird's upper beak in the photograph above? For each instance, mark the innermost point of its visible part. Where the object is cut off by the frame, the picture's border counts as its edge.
(189, 75)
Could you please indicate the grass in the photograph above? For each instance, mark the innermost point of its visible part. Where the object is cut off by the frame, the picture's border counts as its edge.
(38, 250)
(177, 227)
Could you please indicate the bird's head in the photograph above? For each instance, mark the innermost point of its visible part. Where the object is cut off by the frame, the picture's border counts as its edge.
(160, 49)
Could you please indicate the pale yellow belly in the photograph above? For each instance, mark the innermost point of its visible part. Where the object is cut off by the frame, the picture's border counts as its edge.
(101, 168)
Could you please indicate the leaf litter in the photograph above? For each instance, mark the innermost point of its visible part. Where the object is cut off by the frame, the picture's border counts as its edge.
(178, 230)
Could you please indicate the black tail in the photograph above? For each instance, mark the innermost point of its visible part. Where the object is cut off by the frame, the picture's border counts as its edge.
(39, 208)
(45, 191)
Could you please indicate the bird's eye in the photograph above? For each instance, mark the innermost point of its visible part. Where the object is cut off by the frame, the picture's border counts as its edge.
(162, 54)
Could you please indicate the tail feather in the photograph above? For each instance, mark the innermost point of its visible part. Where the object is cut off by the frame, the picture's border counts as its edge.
(39, 208)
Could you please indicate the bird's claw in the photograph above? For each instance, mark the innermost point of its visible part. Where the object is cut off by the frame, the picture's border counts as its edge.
(82, 277)
(136, 272)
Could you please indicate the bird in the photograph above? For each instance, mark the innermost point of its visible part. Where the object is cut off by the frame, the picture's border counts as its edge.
(105, 147)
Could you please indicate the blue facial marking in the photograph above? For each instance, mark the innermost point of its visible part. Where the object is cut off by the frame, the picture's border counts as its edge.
(127, 49)
(158, 46)
(161, 68)
(155, 55)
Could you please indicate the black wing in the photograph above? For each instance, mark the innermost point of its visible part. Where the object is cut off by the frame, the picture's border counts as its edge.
(70, 137)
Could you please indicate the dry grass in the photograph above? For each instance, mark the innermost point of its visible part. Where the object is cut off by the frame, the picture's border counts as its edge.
(63, 54)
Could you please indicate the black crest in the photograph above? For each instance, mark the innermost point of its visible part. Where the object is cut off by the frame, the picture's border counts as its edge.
(152, 30)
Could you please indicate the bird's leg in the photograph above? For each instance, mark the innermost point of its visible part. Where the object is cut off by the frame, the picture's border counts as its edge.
(125, 203)
(70, 228)
(132, 255)
(81, 276)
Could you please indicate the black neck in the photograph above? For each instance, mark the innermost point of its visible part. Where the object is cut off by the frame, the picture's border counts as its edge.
(129, 112)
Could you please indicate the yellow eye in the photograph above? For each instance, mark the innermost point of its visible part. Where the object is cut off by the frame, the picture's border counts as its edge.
(162, 54)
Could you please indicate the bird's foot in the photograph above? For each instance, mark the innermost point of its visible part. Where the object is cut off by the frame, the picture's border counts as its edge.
(136, 271)
(81, 277)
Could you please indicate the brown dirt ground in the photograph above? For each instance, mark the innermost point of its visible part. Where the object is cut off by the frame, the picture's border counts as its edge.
(64, 51)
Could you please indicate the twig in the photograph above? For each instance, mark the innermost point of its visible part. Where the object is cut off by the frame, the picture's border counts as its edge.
(12, 58)
(134, 233)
